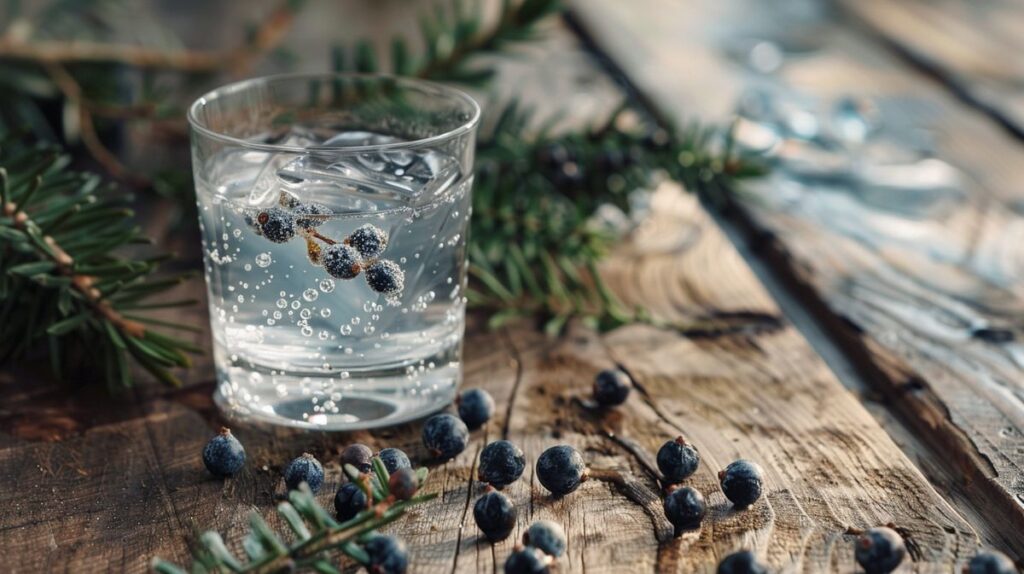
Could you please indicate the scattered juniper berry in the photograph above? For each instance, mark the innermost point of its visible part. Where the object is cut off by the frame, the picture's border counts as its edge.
(386, 277)
(341, 261)
(369, 240)
(677, 460)
(358, 455)
(611, 387)
(394, 459)
(742, 482)
(388, 555)
(546, 536)
(224, 455)
(349, 501)
(685, 508)
(305, 468)
(742, 562)
(990, 562)
(880, 550)
(476, 407)
(561, 469)
(501, 463)
(445, 436)
(527, 560)
(404, 483)
(276, 225)
(495, 515)
(311, 215)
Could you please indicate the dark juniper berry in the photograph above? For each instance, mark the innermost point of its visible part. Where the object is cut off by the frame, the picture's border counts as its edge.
(685, 508)
(742, 562)
(742, 482)
(611, 387)
(386, 277)
(224, 455)
(527, 560)
(495, 515)
(475, 407)
(561, 469)
(369, 240)
(388, 555)
(394, 459)
(358, 455)
(403, 484)
(677, 460)
(445, 436)
(341, 261)
(880, 550)
(546, 536)
(349, 501)
(276, 225)
(305, 468)
(501, 463)
(990, 562)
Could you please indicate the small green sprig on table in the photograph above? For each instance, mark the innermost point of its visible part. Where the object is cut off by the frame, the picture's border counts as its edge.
(315, 535)
(534, 246)
(65, 277)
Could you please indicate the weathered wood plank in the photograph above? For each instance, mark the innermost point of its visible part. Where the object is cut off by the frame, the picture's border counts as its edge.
(974, 47)
(929, 301)
(743, 382)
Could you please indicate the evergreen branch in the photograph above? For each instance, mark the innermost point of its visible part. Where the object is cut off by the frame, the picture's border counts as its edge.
(316, 535)
(452, 36)
(60, 282)
(515, 24)
(534, 244)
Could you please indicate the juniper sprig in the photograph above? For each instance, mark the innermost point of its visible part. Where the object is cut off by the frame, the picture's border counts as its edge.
(315, 534)
(66, 277)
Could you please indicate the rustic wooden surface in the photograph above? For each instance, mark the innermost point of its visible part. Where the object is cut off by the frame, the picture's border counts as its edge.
(93, 484)
(113, 491)
(974, 47)
(929, 302)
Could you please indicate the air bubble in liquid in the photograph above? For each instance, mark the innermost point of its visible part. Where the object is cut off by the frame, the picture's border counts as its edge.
(264, 259)
(310, 294)
(325, 312)
(327, 285)
(346, 329)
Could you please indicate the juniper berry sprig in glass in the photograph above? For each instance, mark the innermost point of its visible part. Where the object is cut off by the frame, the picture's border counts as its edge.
(63, 280)
(358, 253)
(316, 536)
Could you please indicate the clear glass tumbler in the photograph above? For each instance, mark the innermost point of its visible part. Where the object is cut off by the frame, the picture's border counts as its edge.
(334, 211)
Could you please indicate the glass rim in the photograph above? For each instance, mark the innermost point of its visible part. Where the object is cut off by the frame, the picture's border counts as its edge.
(196, 124)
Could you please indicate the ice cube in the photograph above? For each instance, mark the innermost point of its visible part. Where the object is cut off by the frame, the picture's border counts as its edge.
(266, 188)
(374, 176)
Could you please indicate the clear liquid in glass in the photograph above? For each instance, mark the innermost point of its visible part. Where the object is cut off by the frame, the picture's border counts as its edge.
(294, 345)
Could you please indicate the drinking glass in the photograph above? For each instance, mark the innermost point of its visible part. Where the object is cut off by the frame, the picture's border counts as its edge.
(334, 211)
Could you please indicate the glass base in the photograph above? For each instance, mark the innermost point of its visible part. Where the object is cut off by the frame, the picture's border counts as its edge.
(381, 405)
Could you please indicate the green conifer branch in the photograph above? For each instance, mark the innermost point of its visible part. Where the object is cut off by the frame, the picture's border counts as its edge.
(61, 281)
(315, 535)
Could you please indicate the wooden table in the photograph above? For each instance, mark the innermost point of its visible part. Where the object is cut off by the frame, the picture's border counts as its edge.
(93, 484)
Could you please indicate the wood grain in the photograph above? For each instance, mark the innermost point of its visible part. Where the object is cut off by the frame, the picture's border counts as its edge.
(927, 299)
(109, 496)
(974, 47)
(96, 485)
